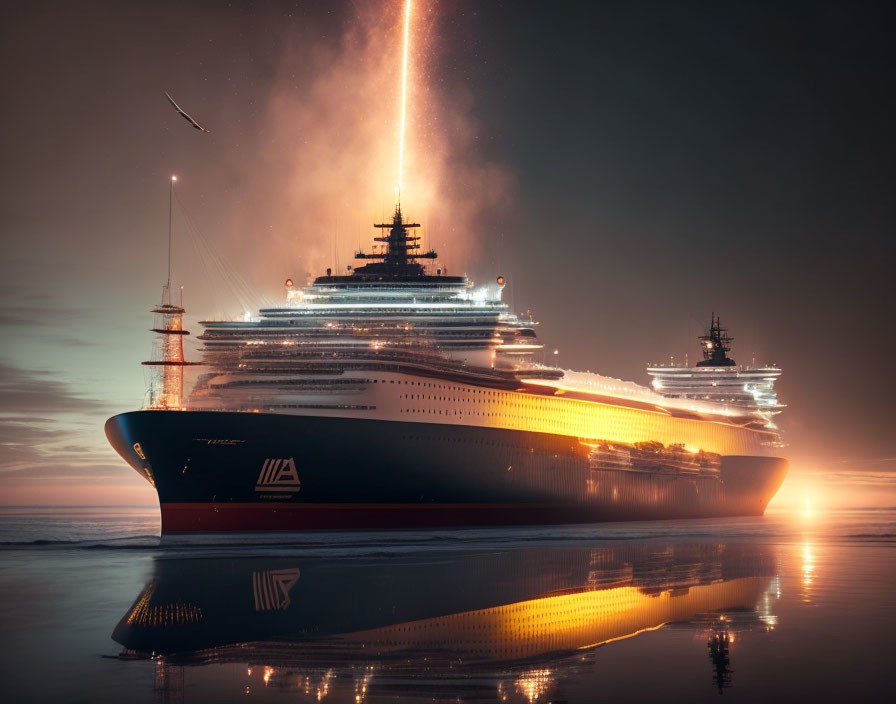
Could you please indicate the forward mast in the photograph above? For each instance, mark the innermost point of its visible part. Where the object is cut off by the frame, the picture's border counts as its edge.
(166, 387)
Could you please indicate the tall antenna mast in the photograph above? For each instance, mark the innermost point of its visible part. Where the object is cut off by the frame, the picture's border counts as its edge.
(166, 298)
(166, 388)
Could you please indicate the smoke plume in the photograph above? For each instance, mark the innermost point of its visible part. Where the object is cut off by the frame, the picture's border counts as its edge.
(327, 149)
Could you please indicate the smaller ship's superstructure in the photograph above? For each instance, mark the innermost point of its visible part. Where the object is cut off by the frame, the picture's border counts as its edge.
(718, 378)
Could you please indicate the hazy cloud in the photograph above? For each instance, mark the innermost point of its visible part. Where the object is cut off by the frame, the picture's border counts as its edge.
(44, 315)
(847, 466)
(41, 392)
(62, 471)
(327, 153)
(25, 445)
(37, 439)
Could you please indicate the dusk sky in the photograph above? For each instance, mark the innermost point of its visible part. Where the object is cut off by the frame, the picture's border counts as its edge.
(629, 167)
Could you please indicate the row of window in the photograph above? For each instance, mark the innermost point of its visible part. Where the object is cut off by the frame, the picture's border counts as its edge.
(572, 417)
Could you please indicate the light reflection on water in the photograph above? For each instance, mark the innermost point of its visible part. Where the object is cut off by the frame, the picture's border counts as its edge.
(808, 567)
(786, 607)
(517, 624)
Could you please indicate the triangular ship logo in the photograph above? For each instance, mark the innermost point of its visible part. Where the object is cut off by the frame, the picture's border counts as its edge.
(271, 588)
(278, 475)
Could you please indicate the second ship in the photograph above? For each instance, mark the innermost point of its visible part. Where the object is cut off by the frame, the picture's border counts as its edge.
(398, 396)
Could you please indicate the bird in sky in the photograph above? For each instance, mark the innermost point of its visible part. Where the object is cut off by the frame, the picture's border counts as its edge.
(184, 115)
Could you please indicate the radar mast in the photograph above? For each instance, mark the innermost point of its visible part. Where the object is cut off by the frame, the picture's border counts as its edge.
(716, 344)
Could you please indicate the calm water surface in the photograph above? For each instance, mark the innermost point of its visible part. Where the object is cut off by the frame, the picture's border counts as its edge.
(784, 608)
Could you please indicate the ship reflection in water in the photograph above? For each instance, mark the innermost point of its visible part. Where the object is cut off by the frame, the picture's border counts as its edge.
(510, 624)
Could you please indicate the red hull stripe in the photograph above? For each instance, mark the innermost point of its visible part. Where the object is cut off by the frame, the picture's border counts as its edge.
(250, 517)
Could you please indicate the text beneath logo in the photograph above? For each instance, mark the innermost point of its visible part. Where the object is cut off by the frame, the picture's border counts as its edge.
(278, 475)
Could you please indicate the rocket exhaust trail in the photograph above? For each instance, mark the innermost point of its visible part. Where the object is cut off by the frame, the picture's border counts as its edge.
(404, 96)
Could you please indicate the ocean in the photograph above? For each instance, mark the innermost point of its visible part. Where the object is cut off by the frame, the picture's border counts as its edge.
(793, 606)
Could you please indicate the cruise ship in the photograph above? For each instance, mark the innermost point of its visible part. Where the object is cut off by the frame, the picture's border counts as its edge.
(396, 395)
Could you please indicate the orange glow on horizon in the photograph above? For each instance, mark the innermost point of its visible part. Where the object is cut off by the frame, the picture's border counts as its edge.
(809, 491)
(129, 490)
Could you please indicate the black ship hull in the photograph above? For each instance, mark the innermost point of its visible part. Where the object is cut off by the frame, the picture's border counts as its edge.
(223, 471)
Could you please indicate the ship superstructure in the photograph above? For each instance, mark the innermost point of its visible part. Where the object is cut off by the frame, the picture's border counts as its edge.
(394, 395)
(327, 345)
(392, 341)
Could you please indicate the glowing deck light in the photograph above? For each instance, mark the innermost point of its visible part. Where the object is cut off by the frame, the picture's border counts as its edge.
(404, 95)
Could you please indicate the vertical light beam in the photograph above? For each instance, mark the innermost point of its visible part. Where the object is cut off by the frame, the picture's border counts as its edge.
(404, 96)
